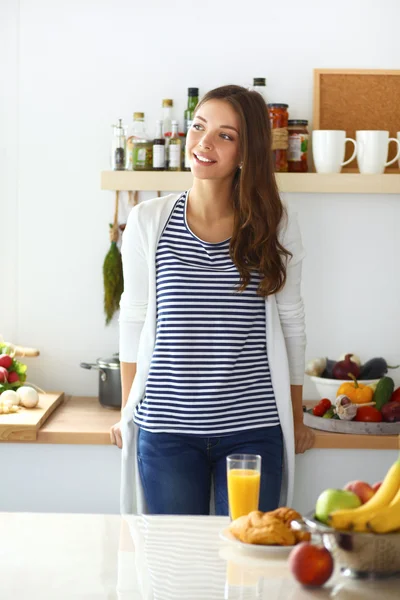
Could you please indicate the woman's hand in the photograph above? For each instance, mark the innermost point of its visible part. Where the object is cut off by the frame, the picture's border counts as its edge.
(115, 435)
(303, 438)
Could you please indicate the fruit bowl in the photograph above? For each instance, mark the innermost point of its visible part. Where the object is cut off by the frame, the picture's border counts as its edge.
(357, 554)
(327, 388)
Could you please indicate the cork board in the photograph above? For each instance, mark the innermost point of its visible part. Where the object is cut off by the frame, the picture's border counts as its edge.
(352, 100)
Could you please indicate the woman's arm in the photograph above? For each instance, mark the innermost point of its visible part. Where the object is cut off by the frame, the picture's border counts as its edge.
(303, 435)
(128, 372)
(291, 313)
(133, 308)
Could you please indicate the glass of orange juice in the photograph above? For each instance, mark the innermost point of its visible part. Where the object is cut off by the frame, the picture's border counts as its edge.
(243, 474)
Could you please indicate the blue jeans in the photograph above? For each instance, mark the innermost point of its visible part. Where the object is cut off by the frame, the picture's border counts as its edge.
(176, 470)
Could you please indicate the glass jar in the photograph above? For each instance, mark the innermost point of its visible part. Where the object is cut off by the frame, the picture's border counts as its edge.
(142, 145)
(298, 146)
(279, 116)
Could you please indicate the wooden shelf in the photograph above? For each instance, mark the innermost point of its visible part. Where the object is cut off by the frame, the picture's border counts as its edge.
(305, 183)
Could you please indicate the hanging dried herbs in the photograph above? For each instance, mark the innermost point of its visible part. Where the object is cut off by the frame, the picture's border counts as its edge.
(112, 270)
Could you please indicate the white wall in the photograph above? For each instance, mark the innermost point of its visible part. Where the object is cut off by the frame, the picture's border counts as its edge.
(76, 66)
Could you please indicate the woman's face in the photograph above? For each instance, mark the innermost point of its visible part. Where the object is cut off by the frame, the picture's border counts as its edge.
(212, 142)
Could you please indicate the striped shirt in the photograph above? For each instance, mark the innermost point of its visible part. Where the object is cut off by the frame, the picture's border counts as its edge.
(209, 373)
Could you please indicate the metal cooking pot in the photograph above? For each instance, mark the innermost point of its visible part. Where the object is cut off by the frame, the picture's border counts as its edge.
(110, 391)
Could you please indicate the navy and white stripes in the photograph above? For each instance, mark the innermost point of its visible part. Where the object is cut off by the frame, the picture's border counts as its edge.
(209, 373)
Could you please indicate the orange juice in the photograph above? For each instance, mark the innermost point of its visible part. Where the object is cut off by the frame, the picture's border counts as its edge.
(243, 491)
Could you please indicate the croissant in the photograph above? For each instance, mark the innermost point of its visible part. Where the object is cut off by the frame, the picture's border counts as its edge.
(269, 528)
(262, 528)
(287, 515)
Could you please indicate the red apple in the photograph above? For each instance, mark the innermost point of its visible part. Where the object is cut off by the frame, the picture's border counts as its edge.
(5, 361)
(376, 486)
(13, 377)
(311, 565)
(362, 489)
(3, 374)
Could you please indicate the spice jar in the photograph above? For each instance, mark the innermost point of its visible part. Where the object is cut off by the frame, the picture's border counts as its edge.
(298, 146)
(279, 116)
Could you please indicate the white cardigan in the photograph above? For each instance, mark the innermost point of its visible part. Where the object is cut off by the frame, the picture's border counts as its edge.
(285, 335)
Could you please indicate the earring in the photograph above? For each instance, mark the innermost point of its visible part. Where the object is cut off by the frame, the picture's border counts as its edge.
(240, 166)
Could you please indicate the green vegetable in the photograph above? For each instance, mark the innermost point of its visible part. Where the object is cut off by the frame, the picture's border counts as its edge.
(113, 281)
(329, 413)
(112, 270)
(383, 392)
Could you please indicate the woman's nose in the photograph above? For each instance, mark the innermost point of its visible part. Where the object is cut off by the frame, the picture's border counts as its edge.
(206, 141)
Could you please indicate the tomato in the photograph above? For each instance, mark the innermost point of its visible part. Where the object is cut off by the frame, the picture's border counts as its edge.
(395, 396)
(369, 414)
(320, 409)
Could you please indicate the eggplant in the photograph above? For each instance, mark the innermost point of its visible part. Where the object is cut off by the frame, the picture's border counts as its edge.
(375, 368)
(328, 371)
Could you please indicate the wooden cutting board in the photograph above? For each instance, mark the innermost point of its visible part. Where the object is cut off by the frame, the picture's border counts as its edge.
(25, 424)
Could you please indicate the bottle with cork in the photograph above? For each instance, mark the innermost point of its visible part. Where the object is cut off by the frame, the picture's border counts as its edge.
(159, 148)
(118, 147)
(175, 149)
(260, 86)
(167, 107)
(193, 99)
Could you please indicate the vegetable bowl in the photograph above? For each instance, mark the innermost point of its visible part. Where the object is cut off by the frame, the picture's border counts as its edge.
(327, 388)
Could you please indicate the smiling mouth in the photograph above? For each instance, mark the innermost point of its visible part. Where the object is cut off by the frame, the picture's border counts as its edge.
(206, 162)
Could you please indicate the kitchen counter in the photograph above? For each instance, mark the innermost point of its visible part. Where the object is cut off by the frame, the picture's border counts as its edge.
(82, 420)
(107, 557)
(72, 467)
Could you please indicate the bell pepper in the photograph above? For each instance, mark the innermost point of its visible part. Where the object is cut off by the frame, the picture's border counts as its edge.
(357, 392)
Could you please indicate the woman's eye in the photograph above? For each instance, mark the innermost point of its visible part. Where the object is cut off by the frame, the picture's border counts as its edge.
(196, 126)
(225, 136)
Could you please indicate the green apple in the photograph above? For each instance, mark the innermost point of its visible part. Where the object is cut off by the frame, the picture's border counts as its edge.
(331, 500)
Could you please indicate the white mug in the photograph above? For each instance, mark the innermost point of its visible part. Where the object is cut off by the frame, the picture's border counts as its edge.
(329, 148)
(372, 151)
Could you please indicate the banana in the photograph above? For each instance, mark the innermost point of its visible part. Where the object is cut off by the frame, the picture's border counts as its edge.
(387, 519)
(357, 518)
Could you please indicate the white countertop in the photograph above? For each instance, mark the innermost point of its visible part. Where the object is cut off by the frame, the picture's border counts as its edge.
(103, 557)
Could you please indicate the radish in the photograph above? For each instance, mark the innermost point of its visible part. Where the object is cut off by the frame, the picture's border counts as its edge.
(3, 375)
(13, 377)
(5, 361)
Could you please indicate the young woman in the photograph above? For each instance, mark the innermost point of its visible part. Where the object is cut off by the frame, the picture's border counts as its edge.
(212, 323)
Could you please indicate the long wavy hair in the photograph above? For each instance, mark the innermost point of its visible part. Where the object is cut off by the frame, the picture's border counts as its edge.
(258, 209)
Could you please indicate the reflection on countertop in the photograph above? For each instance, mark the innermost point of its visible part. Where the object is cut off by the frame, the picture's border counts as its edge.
(103, 557)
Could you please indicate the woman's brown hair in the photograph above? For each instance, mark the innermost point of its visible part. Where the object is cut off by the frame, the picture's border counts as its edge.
(258, 207)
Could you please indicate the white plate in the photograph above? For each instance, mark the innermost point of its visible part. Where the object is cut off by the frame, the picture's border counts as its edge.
(272, 551)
